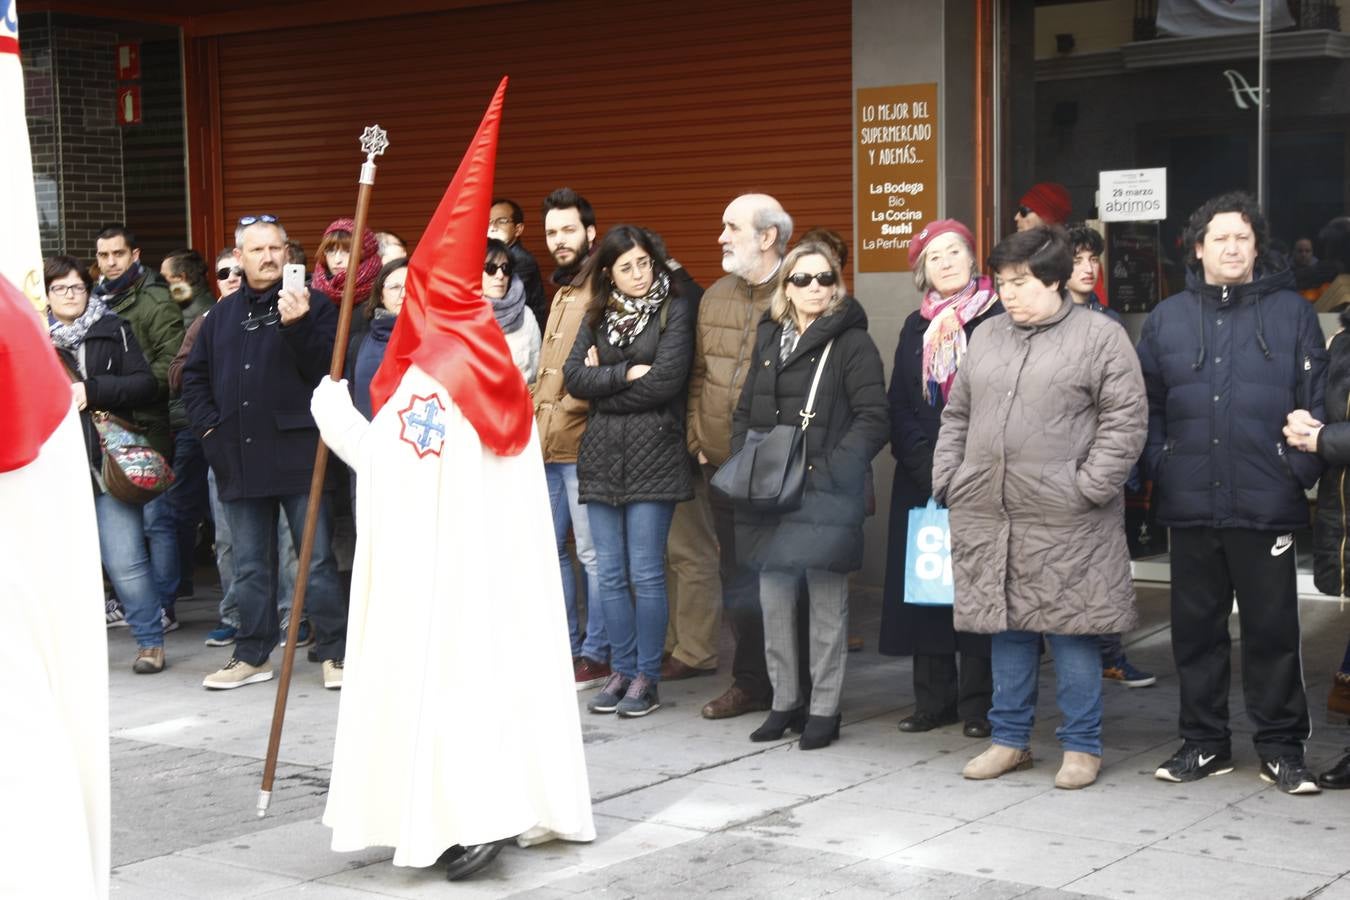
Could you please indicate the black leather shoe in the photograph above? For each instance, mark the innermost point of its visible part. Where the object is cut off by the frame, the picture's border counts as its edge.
(977, 728)
(922, 721)
(779, 722)
(820, 731)
(470, 859)
(1338, 776)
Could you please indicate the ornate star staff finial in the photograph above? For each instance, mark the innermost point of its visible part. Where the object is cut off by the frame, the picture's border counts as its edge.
(374, 141)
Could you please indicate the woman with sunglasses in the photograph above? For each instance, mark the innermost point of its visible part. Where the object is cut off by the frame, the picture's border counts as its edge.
(932, 347)
(506, 293)
(631, 360)
(812, 323)
(109, 373)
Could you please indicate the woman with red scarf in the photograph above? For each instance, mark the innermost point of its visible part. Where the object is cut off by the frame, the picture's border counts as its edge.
(330, 272)
(956, 298)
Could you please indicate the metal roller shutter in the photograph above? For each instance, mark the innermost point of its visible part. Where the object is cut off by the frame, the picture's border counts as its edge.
(657, 114)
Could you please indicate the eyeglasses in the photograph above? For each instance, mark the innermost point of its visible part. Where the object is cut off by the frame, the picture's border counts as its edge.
(494, 268)
(253, 323)
(265, 218)
(500, 222)
(801, 279)
(642, 264)
(1024, 211)
(226, 273)
(68, 290)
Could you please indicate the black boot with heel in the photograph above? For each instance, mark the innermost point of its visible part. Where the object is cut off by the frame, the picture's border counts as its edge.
(820, 731)
(778, 722)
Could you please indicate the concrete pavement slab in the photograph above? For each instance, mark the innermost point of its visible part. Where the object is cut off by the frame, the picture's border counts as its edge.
(1159, 873)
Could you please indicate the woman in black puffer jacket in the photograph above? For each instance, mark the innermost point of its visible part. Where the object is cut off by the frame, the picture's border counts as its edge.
(1331, 561)
(108, 374)
(631, 361)
(811, 314)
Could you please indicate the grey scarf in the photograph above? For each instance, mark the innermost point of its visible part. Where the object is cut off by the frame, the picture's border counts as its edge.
(510, 310)
(69, 337)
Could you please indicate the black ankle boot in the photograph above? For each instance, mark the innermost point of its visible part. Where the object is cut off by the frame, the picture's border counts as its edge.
(461, 861)
(779, 722)
(820, 731)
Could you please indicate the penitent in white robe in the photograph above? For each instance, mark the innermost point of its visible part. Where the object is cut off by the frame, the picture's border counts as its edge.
(458, 721)
(54, 788)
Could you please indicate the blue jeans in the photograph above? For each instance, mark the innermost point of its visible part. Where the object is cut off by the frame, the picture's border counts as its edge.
(1015, 661)
(568, 512)
(229, 610)
(630, 547)
(188, 500)
(253, 532)
(161, 531)
(121, 542)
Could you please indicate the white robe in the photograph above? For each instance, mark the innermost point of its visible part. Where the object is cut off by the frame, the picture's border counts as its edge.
(54, 667)
(458, 721)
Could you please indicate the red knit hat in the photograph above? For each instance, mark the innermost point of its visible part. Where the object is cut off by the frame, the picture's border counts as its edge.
(1049, 200)
(931, 231)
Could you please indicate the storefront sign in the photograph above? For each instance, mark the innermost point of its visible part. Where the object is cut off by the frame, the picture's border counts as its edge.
(1133, 195)
(1132, 266)
(897, 141)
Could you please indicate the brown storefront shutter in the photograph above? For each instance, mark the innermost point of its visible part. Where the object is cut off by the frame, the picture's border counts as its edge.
(657, 114)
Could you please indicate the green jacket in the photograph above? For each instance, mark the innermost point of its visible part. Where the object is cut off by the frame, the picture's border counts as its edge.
(157, 323)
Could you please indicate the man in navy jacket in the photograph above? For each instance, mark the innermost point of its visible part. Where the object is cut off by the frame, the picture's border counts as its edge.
(1224, 362)
(246, 387)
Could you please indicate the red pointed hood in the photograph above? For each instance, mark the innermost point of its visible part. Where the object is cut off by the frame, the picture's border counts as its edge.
(445, 325)
(34, 389)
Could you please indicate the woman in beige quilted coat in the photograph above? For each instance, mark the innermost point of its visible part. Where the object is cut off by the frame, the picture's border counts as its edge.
(1044, 421)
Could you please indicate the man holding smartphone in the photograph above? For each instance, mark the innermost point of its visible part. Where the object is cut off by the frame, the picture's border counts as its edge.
(246, 386)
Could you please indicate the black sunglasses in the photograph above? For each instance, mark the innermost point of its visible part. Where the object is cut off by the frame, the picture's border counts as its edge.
(228, 271)
(494, 268)
(1024, 211)
(271, 317)
(266, 218)
(801, 279)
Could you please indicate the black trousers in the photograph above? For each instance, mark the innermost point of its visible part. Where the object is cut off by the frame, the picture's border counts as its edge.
(944, 692)
(1208, 566)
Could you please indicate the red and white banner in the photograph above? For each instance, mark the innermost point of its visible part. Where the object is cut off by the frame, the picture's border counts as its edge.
(20, 249)
(1203, 18)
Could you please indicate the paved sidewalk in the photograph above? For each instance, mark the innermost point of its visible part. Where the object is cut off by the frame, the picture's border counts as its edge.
(690, 808)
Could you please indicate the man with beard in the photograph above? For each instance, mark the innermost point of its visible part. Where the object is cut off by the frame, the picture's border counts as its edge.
(247, 386)
(754, 238)
(134, 293)
(569, 228)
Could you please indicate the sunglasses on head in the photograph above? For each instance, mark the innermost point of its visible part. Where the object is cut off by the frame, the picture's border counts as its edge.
(801, 279)
(226, 272)
(265, 218)
(494, 268)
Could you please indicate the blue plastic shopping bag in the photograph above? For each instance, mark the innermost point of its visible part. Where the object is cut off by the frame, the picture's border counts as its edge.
(928, 558)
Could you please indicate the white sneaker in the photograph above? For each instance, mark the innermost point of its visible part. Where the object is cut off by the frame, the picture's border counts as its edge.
(167, 620)
(332, 674)
(113, 613)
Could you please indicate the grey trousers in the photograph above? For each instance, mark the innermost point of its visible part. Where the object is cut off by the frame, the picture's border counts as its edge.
(827, 605)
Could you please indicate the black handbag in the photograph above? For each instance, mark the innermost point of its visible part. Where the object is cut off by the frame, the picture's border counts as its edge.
(768, 473)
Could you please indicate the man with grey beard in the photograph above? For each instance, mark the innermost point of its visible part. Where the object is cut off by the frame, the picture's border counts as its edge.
(755, 234)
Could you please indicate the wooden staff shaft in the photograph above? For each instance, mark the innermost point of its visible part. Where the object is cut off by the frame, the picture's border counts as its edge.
(335, 371)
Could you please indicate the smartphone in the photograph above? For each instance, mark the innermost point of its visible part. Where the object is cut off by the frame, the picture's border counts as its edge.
(293, 278)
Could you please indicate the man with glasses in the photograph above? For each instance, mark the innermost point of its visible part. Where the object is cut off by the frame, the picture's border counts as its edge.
(135, 293)
(754, 239)
(506, 223)
(247, 385)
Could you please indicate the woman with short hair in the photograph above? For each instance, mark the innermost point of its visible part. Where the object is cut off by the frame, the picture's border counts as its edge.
(811, 324)
(1042, 426)
(505, 291)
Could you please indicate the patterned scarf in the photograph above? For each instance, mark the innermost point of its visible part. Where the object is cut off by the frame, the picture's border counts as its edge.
(787, 341)
(332, 285)
(944, 343)
(626, 316)
(69, 337)
(510, 309)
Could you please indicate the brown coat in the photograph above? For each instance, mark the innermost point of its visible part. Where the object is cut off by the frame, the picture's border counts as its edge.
(724, 345)
(560, 416)
(1039, 434)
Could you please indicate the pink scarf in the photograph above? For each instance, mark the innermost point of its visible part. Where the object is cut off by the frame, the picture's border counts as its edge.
(332, 285)
(944, 343)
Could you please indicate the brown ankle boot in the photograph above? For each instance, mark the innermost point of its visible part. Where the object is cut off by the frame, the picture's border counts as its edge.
(1338, 701)
(997, 760)
(1078, 770)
